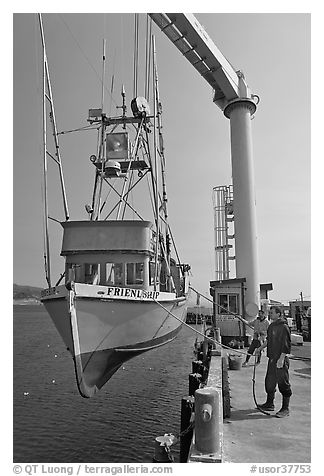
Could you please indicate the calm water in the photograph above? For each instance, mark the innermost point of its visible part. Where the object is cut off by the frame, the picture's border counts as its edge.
(52, 423)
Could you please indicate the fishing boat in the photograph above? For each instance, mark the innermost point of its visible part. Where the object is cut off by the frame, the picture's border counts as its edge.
(122, 291)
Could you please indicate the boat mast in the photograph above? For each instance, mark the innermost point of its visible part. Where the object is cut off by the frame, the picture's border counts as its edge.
(45, 217)
(156, 178)
(99, 177)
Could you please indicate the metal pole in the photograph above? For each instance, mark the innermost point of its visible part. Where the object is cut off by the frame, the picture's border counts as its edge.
(239, 112)
(302, 303)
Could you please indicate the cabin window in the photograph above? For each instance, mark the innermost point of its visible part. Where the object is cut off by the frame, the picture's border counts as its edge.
(135, 273)
(228, 303)
(75, 273)
(152, 273)
(91, 273)
(114, 274)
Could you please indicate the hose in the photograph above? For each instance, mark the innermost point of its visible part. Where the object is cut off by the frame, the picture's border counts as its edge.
(253, 390)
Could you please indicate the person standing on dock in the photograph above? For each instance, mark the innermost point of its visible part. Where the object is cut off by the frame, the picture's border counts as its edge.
(278, 345)
(260, 326)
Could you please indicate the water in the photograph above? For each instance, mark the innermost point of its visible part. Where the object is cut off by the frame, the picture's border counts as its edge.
(53, 423)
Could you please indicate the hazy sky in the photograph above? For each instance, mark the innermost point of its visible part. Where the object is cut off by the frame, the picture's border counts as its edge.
(273, 51)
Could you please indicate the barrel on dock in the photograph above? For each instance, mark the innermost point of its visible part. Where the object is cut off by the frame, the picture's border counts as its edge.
(235, 361)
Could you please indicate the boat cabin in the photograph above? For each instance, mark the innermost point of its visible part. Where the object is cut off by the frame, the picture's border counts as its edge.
(114, 253)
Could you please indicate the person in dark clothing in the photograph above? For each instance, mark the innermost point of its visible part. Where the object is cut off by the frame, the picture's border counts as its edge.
(278, 345)
(298, 320)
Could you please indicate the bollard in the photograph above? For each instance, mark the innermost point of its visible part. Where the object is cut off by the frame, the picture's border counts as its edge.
(162, 453)
(207, 420)
(194, 383)
(187, 408)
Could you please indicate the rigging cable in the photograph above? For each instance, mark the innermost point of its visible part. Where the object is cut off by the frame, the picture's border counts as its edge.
(225, 347)
(85, 56)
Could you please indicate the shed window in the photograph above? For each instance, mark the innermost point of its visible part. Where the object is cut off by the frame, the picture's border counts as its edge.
(228, 303)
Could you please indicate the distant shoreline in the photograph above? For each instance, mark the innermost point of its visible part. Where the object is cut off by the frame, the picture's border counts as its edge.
(24, 302)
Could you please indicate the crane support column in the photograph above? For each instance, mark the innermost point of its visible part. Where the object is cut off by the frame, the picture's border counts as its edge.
(239, 112)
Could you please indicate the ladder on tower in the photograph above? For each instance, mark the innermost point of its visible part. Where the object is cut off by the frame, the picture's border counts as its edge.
(224, 230)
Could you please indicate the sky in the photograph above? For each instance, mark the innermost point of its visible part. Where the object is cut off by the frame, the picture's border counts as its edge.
(274, 52)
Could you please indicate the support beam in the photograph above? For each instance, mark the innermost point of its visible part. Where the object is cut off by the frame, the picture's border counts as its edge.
(190, 38)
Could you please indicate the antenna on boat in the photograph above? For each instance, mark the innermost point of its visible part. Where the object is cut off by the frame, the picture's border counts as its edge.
(103, 73)
(123, 107)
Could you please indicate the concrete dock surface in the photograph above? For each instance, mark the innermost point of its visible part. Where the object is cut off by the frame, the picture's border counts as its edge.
(252, 437)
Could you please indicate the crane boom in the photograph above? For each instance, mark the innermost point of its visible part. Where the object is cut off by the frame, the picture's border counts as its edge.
(188, 35)
(233, 97)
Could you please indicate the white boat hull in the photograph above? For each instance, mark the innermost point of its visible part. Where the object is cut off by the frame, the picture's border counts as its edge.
(103, 329)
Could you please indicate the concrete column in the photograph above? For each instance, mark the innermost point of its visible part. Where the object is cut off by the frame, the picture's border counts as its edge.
(239, 112)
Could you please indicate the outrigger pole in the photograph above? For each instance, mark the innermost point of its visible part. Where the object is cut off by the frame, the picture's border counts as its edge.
(46, 234)
(47, 96)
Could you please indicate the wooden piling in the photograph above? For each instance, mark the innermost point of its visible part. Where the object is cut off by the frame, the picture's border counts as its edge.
(187, 408)
(200, 355)
(196, 366)
(194, 383)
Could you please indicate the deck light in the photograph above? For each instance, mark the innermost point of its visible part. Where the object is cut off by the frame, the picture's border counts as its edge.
(117, 146)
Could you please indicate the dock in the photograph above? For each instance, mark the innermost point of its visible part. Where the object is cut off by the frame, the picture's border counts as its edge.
(249, 436)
